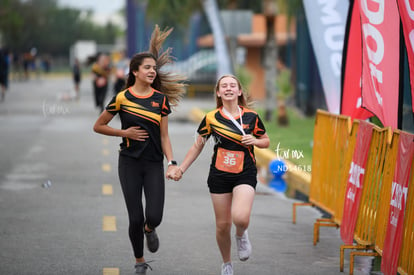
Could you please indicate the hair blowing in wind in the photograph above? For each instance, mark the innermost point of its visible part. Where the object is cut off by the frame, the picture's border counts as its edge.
(169, 83)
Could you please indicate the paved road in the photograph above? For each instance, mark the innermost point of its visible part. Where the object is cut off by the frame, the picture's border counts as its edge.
(61, 228)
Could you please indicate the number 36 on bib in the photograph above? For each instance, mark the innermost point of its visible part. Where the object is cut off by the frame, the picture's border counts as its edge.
(229, 161)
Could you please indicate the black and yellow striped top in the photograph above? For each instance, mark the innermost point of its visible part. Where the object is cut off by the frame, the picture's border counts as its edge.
(226, 135)
(146, 112)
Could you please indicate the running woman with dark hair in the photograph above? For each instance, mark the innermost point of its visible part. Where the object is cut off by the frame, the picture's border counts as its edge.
(143, 107)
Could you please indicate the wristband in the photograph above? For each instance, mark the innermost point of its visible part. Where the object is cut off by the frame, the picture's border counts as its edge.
(172, 162)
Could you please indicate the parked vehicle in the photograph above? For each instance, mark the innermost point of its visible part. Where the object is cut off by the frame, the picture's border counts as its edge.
(200, 68)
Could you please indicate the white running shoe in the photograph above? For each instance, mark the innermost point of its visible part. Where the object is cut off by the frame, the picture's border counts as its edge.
(227, 269)
(244, 248)
(141, 268)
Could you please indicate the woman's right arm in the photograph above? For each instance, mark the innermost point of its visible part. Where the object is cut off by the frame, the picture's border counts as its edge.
(191, 156)
(101, 126)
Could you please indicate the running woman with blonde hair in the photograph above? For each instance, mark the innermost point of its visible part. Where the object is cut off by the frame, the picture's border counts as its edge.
(232, 179)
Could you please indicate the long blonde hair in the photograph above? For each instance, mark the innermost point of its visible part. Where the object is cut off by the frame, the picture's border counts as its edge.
(243, 99)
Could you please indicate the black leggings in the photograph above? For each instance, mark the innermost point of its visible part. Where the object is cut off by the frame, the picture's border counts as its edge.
(135, 175)
(100, 94)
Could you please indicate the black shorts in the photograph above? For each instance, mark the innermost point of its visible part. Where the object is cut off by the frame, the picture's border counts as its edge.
(221, 182)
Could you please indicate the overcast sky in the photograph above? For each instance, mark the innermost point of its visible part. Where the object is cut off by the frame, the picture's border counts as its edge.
(104, 10)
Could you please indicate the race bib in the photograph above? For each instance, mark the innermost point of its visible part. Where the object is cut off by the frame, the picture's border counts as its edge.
(229, 161)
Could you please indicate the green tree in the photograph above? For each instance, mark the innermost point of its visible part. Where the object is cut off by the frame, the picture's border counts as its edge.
(284, 79)
(11, 21)
(42, 24)
(178, 12)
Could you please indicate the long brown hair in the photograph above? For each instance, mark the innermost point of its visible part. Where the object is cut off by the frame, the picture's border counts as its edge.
(242, 100)
(170, 84)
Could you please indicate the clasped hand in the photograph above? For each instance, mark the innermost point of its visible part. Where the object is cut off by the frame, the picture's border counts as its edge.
(174, 173)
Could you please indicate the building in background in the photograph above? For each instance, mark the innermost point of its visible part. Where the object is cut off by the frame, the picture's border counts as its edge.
(295, 52)
(82, 50)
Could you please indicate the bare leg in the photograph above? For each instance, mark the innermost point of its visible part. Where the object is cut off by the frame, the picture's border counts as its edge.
(3, 92)
(222, 210)
(77, 91)
(140, 260)
(243, 196)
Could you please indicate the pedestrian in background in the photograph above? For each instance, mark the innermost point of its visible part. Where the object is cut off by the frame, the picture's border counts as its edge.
(232, 179)
(76, 72)
(143, 108)
(101, 71)
(4, 72)
(121, 71)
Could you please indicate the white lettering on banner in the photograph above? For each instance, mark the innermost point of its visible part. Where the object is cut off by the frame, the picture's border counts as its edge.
(359, 102)
(334, 35)
(378, 75)
(377, 55)
(410, 11)
(410, 14)
(374, 17)
(412, 39)
(350, 195)
(397, 194)
(355, 174)
(331, 15)
(336, 61)
(327, 20)
(393, 219)
(374, 55)
(335, 44)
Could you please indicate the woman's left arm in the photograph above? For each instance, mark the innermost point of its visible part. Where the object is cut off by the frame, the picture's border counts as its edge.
(165, 139)
(166, 143)
(263, 141)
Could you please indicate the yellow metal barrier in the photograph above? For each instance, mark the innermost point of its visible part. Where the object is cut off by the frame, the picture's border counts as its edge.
(334, 139)
(385, 195)
(366, 224)
(365, 229)
(193, 88)
(406, 260)
(330, 166)
(330, 144)
(336, 218)
(339, 207)
(196, 115)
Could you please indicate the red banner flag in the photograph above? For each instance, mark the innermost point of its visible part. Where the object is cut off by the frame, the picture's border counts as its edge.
(380, 59)
(399, 193)
(351, 100)
(406, 8)
(355, 182)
